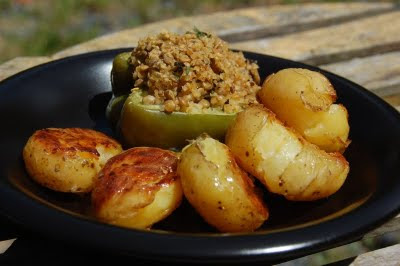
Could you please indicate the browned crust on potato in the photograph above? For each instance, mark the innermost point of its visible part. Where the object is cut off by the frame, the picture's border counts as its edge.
(69, 141)
(142, 169)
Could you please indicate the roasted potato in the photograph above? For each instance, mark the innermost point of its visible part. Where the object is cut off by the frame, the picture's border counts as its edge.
(137, 188)
(281, 159)
(304, 100)
(218, 189)
(68, 160)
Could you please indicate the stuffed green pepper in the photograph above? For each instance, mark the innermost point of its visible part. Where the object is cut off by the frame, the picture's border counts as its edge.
(179, 87)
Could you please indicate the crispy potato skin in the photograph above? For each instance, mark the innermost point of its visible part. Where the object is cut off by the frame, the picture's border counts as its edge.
(68, 160)
(138, 188)
(281, 159)
(218, 189)
(304, 100)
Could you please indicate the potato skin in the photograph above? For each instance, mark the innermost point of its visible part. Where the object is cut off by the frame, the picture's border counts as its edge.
(69, 159)
(304, 100)
(281, 159)
(218, 189)
(137, 188)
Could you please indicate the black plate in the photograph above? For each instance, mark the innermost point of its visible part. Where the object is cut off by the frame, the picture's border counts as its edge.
(73, 92)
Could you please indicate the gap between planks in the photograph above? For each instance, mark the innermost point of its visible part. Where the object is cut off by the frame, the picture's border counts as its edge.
(359, 38)
(254, 32)
(277, 19)
(378, 73)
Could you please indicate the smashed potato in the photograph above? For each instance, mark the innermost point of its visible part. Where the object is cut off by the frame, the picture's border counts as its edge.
(137, 188)
(218, 189)
(304, 100)
(68, 160)
(281, 159)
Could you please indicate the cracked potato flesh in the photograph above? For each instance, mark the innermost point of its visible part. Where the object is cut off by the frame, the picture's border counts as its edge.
(281, 159)
(305, 100)
(218, 189)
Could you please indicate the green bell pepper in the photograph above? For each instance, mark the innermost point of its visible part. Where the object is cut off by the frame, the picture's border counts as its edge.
(121, 74)
(147, 125)
(114, 107)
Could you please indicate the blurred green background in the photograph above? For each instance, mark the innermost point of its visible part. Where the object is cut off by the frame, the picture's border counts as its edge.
(42, 27)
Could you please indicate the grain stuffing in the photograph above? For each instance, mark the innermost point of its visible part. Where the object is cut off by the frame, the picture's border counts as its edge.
(193, 72)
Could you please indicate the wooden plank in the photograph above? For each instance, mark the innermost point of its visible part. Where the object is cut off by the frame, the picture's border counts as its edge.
(330, 256)
(345, 253)
(241, 24)
(19, 64)
(394, 100)
(379, 73)
(385, 256)
(280, 20)
(390, 226)
(4, 245)
(363, 37)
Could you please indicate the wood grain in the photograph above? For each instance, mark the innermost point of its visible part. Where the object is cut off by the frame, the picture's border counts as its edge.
(19, 64)
(363, 37)
(390, 226)
(379, 73)
(394, 100)
(241, 24)
(4, 245)
(385, 256)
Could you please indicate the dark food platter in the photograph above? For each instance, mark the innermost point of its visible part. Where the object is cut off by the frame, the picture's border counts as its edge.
(74, 92)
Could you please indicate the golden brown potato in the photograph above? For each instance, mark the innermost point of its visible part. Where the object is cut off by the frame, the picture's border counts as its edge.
(68, 160)
(304, 100)
(137, 188)
(218, 189)
(281, 159)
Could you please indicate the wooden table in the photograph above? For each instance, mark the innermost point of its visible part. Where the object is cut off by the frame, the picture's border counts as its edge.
(359, 41)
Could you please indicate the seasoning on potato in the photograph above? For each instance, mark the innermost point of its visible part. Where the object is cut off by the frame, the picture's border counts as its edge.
(68, 159)
(304, 100)
(218, 189)
(137, 188)
(281, 159)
